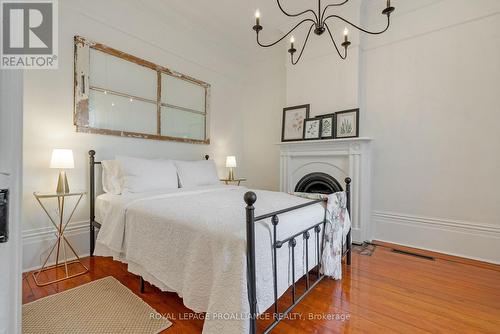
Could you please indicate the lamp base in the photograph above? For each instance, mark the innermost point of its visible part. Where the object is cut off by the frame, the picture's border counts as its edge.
(62, 183)
(231, 174)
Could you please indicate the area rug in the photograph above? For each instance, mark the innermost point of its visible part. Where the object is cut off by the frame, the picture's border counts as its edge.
(101, 306)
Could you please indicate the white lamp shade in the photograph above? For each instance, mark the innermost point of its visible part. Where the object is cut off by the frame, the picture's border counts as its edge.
(62, 159)
(231, 161)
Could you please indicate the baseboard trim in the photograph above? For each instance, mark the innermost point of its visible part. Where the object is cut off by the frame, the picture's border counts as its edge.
(437, 255)
(49, 230)
(437, 222)
(37, 242)
(445, 236)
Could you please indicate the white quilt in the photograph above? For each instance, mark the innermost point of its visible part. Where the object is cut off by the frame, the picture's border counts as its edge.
(193, 242)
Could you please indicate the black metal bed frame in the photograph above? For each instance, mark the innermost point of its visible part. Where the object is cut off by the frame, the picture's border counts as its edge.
(250, 199)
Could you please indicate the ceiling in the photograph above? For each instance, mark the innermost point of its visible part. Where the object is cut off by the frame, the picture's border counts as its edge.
(230, 20)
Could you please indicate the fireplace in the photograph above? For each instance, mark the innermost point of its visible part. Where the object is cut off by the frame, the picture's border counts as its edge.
(318, 183)
(320, 166)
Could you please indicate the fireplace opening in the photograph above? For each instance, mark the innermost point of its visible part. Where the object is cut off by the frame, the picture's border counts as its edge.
(318, 183)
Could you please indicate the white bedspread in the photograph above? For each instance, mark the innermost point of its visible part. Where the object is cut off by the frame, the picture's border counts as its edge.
(193, 242)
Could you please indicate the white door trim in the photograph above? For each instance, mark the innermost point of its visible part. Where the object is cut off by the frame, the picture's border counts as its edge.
(11, 109)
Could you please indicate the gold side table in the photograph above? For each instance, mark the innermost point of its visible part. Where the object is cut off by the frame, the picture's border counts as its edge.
(236, 181)
(60, 224)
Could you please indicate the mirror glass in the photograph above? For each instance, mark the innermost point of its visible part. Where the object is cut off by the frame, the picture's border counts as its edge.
(120, 94)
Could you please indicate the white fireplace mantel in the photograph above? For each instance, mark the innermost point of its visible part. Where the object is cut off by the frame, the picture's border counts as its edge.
(339, 158)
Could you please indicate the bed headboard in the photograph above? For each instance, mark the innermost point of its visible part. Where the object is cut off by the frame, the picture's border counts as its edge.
(92, 190)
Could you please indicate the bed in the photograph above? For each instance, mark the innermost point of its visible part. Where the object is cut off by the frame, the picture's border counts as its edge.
(226, 250)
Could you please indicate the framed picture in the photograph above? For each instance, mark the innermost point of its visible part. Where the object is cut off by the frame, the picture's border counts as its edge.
(312, 128)
(327, 126)
(293, 122)
(347, 123)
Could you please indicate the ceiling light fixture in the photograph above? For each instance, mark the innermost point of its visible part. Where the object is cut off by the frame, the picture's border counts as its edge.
(320, 26)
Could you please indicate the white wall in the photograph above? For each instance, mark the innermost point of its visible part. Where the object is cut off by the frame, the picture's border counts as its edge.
(321, 78)
(126, 26)
(429, 97)
(265, 103)
(432, 84)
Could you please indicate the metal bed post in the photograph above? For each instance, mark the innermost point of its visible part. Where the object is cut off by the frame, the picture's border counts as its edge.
(92, 200)
(141, 284)
(250, 198)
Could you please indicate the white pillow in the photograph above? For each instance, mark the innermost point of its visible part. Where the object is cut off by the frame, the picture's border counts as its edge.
(197, 173)
(112, 177)
(141, 175)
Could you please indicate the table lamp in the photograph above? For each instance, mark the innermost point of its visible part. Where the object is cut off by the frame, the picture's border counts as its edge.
(62, 159)
(231, 164)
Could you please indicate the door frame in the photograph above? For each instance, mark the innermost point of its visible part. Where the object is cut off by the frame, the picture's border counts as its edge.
(11, 103)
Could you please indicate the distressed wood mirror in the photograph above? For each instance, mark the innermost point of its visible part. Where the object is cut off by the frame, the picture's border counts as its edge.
(118, 94)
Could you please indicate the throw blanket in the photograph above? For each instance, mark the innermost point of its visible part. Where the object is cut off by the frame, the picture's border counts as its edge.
(338, 225)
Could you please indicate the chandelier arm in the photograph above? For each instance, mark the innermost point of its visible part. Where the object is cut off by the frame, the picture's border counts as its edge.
(358, 27)
(288, 33)
(298, 14)
(335, 44)
(303, 46)
(332, 5)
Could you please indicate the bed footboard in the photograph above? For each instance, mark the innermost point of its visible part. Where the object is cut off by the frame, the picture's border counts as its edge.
(250, 199)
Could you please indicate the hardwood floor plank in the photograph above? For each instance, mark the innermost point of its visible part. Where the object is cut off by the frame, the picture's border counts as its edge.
(435, 284)
(448, 258)
(447, 301)
(382, 293)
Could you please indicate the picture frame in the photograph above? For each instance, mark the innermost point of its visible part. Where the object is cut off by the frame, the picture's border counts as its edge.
(327, 126)
(347, 124)
(292, 128)
(312, 128)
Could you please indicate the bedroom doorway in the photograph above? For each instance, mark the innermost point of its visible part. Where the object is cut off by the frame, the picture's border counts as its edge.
(11, 135)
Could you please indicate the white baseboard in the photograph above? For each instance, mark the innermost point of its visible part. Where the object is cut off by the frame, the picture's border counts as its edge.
(37, 244)
(459, 238)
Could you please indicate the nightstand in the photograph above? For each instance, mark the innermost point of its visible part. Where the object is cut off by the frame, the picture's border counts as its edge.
(236, 181)
(60, 245)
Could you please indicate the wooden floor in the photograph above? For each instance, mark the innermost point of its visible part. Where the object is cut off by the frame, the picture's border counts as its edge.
(382, 293)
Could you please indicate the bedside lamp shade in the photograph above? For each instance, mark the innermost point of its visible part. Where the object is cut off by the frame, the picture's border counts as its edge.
(231, 161)
(231, 164)
(62, 159)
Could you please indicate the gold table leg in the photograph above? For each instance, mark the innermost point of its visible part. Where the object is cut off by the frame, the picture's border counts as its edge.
(60, 228)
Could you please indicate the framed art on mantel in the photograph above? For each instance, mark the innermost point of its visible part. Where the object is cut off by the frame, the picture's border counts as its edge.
(347, 124)
(312, 128)
(293, 122)
(327, 126)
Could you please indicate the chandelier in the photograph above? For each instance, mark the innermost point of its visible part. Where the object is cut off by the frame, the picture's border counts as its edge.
(318, 21)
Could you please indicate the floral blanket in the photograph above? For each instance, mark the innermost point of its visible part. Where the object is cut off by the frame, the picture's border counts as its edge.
(338, 225)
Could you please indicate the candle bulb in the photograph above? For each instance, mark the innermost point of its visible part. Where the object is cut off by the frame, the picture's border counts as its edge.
(292, 40)
(346, 33)
(257, 17)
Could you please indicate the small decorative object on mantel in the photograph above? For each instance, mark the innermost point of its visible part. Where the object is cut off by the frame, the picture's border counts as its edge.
(293, 122)
(312, 128)
(327, 126)
(347, 124)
